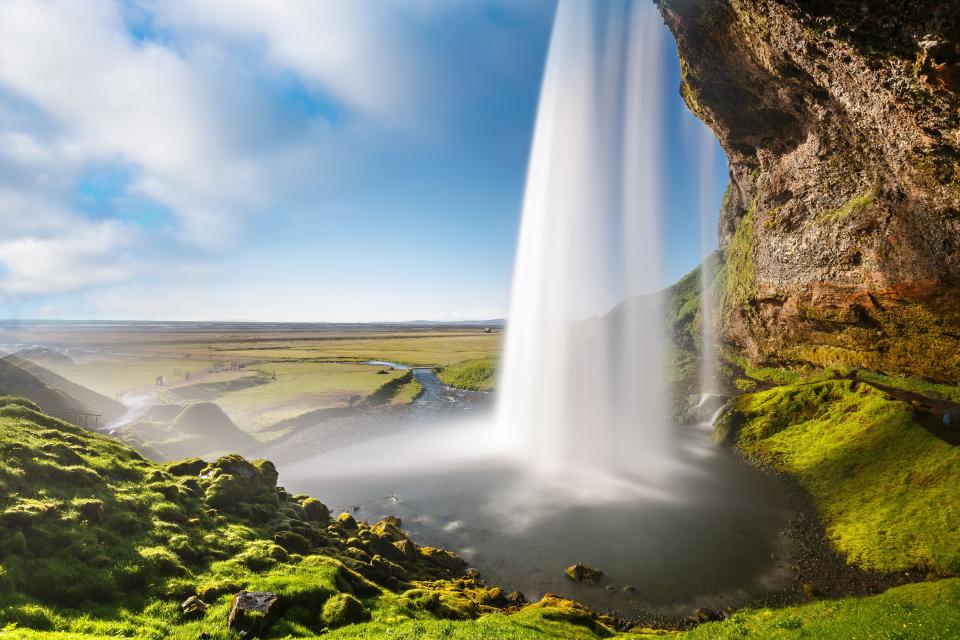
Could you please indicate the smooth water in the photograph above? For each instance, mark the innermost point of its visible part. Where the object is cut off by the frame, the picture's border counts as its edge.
(580, 388)
(710, 536)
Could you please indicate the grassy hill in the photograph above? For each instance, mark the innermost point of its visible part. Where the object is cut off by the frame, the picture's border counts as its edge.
(17, 381)
(94, 402)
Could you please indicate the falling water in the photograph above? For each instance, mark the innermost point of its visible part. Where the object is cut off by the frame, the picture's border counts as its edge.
(582, 362)
(708, 234)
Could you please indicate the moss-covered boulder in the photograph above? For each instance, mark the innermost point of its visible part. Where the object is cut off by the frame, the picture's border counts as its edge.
(343, 609)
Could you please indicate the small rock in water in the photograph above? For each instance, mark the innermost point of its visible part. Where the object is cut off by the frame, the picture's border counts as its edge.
(583, 573)
(610, 588)
(472, 573)
(630, 588)
(252, 613)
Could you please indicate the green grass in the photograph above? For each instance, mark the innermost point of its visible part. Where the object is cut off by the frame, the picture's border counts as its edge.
(476, 375)
(925, 611)
(192, 528)
(301, 387)
(886, 488)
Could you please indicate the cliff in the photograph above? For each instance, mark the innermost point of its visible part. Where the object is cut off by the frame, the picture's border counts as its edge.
(841, 224)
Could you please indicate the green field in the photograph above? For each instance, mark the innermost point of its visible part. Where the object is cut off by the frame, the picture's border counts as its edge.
(315, 370)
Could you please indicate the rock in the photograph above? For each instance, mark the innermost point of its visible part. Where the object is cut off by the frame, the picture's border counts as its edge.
(472, 573)
(394, 520)
(610, 588)
(629, 588)
(840, 228)
(193, 608)
(704, 615)
(583, 573)
(409, 549)
(91, 511)
(252, 613)
(188, 467)
(292, 542)
(389, 531)
(315, 511)
(516, 599)
(343, 609)
(347, 521)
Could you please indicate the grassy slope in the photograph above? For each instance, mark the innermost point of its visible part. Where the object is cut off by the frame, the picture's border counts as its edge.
(885, 486)
(96, 541)
(925, 611)
(478, 375)
(16, 381)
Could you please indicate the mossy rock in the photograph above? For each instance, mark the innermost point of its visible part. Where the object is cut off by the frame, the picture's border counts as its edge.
(343, 609)
(315, 511)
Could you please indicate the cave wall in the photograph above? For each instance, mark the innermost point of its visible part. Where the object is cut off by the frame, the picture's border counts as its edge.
(841, 223)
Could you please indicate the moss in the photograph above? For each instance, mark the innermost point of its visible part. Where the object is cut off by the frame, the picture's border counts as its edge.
(885, 486)
(925, 611)
(738, 274)
(856, 205)
(343, 609)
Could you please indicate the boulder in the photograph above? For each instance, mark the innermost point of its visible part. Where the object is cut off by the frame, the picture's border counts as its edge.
(188, 467)
(343, 609)
(347, 521)
(193, 608)
(252, 613)
(315, 511)
(583, 573)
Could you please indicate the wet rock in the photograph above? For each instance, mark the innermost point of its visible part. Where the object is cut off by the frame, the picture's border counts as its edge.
(610, 588)
(193, 608)
(629, 588)
(516, 599)
(252, 613)
(583, 573)
(343, 609)
(472, 573)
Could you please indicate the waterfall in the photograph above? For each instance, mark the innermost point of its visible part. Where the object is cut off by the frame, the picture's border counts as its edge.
(708, 235)
(582, 369)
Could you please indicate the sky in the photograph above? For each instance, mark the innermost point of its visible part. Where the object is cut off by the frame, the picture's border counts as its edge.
(336, 160)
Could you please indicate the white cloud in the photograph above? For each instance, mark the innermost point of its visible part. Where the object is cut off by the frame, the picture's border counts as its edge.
(352, 50)
(90, 254)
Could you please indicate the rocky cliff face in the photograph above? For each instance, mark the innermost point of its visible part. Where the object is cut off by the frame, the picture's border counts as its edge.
(841, 225)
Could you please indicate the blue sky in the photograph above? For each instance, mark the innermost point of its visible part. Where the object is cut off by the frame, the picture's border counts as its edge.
(351, 160)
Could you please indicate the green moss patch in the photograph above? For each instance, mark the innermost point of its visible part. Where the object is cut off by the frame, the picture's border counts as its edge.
(886, 487)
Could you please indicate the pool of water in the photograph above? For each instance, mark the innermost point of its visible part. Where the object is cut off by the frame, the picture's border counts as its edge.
(706, 530)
